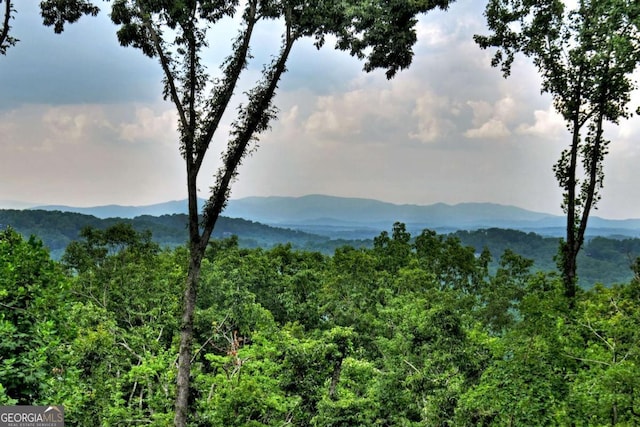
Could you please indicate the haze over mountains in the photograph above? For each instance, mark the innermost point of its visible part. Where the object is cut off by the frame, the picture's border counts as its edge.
(361, 218)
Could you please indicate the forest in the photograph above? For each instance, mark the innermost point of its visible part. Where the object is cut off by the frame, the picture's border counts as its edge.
(604, 260)
(413, 331)
(419, 330)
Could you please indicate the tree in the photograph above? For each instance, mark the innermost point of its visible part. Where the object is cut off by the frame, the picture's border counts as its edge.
(586, 57)
(605, 389)
(65, 11)
(116, 338)
(454, 265)
(380, 32)
(525, 383)
(32, 293)
(6, 15)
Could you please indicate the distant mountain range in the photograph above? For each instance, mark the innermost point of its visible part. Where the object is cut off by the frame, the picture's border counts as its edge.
(364, 218)
(323, 224)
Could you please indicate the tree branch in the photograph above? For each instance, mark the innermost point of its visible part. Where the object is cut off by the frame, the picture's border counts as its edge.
(5, 25)
(596, 158)
(600, 337)
(221, 96)
(256, 118)
(582, 359)
(130, 350)
(164, 62)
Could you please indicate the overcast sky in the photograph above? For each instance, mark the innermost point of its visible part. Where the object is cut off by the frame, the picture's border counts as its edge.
(82, 123)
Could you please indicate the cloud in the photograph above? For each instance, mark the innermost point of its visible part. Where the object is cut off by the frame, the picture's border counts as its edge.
(74, 154)
(430, 111)
(482, 111)
(370, 113)
(46, 127)
(74, 124)
(492, 129)
(35, 127)
(335, 115)
(84, 125)
(433, 34)
(548, 124)
(490, 121)
(150, 125)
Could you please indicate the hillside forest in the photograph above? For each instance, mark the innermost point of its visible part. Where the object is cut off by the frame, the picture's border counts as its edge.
(604, 260)
(411, 329)
(415, 330)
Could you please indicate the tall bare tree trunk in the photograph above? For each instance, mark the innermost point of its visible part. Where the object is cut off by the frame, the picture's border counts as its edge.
(186, 340)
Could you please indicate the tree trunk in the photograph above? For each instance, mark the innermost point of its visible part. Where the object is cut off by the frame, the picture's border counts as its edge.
(569, 250)
(335, 378)
(186, 340)
(199, 239)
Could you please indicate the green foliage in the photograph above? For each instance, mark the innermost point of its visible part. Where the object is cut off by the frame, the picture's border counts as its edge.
(525, 383)
(116, 354)
(586, 57)
(243, 386)
(501, 296)
(455, 265)
(603, 260)
(427, 359)
(411, 332)
(354, 402)
(32, 294)
(605, 389)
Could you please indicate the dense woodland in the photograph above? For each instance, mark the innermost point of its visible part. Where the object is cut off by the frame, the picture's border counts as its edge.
(603, 260)
(415, 330)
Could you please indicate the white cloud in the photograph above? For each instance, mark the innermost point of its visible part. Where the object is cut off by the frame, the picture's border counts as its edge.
(491, 121)
(356, 112)
(548, 124)
(290, 117)
(74, 124)
(506, 109)
(430, 111)
(150, 125)
(493, 129)
(334, 115)
(44, 127)
(482, 111)
(72, 154)
(433, 34)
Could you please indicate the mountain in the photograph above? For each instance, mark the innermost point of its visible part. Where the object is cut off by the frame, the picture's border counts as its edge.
(349, 211)
(358, 218)
(603, 260)
(118, 211)
(57, 229)
(15, 204)
(354, 217)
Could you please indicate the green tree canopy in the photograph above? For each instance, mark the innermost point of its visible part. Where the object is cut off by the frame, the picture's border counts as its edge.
(382, 33)
(32, 291)
(586, 57)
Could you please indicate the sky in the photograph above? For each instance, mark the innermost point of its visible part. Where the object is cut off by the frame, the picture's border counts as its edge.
(83, 123)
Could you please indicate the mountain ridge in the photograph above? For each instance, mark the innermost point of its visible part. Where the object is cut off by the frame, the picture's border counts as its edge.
(343, 216)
